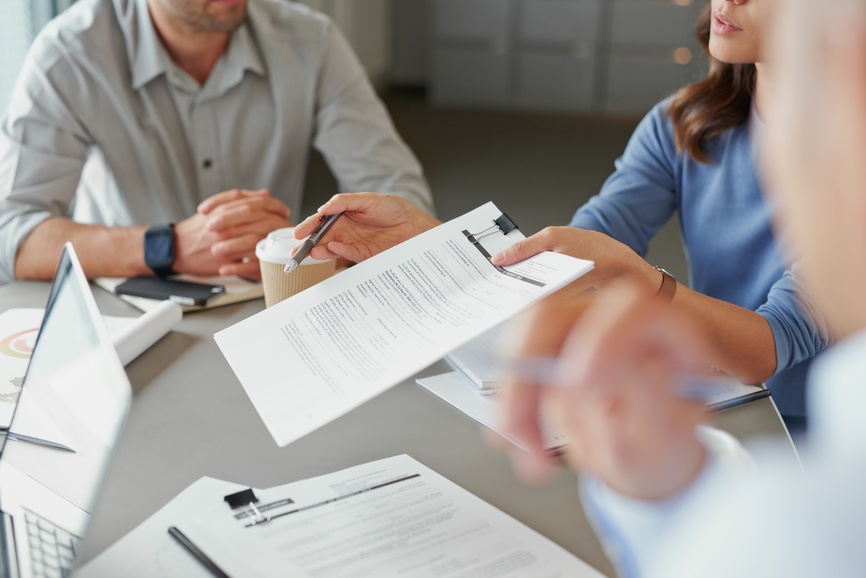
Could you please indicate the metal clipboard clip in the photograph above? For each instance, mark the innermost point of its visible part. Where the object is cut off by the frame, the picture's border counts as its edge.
(247, 499)
(502, 223)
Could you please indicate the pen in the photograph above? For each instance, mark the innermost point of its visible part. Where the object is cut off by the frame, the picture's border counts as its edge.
(38, 441)
(196, 551)
(325, 224)
(691, 387)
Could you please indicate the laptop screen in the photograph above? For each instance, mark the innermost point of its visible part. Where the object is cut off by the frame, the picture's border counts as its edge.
(74, 396)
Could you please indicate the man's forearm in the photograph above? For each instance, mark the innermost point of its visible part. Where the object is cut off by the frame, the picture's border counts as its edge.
(103, 251)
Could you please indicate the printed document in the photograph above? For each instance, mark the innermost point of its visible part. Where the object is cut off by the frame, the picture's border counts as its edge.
(148, 551)
(393, 517)
(319, 354)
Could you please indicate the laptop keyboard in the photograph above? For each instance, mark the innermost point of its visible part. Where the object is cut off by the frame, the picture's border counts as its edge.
(52, 549)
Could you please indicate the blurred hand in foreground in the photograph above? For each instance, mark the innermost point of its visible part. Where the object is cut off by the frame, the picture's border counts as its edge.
(614, 393)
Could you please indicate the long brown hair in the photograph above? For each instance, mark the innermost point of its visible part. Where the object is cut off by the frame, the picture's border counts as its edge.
(706, 109)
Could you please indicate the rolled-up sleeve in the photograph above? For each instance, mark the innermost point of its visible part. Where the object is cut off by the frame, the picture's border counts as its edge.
(355, 133)
(799, 330)
(640, 196)
(43, 149)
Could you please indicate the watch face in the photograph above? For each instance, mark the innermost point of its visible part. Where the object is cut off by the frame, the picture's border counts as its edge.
(159, 246)
(159, 249)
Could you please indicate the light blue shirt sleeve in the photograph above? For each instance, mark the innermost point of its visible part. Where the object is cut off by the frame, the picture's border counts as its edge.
(640, 196)
(799, 328)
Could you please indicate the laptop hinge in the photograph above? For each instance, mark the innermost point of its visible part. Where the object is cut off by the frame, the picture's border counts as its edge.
(9, 568)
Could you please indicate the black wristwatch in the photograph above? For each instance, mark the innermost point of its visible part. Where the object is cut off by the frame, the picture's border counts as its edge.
(159, 249)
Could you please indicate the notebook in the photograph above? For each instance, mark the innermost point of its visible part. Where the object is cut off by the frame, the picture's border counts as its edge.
(76, 379)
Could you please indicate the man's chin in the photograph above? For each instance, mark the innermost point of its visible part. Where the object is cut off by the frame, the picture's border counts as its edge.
(226, 15)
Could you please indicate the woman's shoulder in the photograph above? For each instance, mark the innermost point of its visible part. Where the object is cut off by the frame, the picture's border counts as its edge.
(656, 131)
(654, 134)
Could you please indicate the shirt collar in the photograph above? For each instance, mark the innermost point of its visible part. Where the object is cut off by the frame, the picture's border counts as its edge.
(148, 57)
(243, 54)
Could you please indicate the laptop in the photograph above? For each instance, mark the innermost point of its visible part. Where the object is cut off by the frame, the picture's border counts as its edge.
(76, 382)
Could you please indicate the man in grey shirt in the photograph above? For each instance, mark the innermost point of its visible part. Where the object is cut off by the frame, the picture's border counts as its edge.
(169, 136)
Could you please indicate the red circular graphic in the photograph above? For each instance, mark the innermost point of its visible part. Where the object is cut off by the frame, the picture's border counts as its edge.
(19, 344)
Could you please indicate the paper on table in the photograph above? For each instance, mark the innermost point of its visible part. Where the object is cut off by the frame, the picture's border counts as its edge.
(237, 290)
(20, 327)
(18, 331)
(456, 389)
(322, 352)
(148, 551)
(392, 517)
(481, 361)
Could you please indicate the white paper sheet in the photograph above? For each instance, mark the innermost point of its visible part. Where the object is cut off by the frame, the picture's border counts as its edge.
(19, 329)
(317, 355)
(457, 390)
(393, 517)
(148, 551)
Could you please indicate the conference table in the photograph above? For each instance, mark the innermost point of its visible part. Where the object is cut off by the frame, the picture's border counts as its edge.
(190, 417)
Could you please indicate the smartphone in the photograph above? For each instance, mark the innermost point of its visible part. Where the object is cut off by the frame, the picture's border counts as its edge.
(182, 292)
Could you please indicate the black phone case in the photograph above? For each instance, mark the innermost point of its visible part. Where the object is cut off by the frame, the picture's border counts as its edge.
(184, 292)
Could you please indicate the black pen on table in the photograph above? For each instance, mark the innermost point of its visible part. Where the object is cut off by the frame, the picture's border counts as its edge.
(325, 224)
(196, 551)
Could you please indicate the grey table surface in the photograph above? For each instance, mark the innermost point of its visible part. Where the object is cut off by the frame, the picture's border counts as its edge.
(190, 417)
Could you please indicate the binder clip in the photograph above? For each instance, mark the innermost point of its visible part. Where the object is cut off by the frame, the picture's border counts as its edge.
(246, 498)
(503, 223)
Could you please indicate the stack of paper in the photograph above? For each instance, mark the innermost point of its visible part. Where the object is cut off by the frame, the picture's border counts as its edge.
(457, 390)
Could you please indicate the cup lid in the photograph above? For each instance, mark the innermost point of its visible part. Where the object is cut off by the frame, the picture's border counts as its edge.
(277, 247)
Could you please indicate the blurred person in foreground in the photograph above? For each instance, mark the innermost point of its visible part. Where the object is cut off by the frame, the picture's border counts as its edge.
(668, 496)
(692, 155)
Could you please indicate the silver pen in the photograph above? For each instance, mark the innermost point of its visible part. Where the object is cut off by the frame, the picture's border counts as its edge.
(325, 224)
(690, 386)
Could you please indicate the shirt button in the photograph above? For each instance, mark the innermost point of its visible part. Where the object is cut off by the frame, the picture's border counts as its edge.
(206, 163)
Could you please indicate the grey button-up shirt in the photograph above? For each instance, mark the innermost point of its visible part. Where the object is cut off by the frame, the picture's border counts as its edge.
(105, 128)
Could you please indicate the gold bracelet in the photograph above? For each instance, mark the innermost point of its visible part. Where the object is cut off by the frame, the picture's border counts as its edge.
(668, 288)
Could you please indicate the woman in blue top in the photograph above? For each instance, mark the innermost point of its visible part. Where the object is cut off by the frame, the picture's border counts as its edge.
(692, 153)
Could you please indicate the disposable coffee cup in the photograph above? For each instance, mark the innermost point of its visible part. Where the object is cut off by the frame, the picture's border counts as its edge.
(273, 253)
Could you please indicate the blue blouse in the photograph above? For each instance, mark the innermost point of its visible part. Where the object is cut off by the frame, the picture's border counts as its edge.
(726, 228)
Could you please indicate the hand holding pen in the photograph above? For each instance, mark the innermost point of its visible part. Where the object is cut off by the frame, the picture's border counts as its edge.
(325, 224)
(372, 223)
